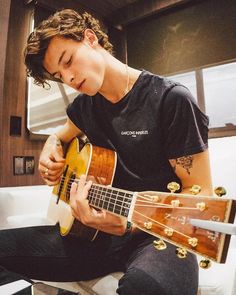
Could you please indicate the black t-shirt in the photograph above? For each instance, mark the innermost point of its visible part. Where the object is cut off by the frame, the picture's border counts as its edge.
(156, 121)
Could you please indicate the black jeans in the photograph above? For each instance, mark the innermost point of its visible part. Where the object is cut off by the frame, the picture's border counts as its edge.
(42, 253)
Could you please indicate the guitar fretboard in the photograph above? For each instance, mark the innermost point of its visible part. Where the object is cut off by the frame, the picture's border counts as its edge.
(111, 199)
(114, 200)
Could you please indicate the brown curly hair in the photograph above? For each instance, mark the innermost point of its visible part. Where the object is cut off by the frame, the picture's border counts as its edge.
(66, 23)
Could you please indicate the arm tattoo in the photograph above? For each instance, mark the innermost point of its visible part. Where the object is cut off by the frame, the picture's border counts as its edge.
(185, 162)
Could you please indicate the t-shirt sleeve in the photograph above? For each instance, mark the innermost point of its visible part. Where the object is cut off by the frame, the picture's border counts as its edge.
(184, 125)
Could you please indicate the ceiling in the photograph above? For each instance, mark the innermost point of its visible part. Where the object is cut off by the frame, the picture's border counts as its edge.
(116, 12)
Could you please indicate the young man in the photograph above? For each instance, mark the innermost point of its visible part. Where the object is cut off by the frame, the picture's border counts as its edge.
(159, 134)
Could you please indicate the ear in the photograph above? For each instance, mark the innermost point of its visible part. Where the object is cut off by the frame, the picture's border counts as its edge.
(90, 37)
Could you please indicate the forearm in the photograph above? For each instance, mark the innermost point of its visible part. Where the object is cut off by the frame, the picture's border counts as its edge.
(66, 133)
(194, 170)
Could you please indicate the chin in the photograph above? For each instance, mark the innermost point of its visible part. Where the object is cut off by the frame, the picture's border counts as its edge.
(91, 92)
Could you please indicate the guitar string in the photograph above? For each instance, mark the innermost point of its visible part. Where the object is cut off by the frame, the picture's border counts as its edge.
(98, 198)
(109, 201)
(161, 224)
(107, 190)
(68, 187)
(148, 203)
(170, 207)
(157, 205)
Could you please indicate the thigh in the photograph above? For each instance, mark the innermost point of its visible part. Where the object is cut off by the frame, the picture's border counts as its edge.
(42, 253)
(153, 272)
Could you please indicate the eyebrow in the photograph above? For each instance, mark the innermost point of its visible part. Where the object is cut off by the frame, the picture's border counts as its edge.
(60, 59)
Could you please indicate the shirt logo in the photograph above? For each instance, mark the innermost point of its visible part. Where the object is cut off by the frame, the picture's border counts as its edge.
(134, 133)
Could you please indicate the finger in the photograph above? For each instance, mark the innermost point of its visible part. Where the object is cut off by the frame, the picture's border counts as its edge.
(81, 183)
(50, 183)
(81, 199)
(52, 164)
(73, 192)
(52, 173)
(73, 188)
(57, 156)
(87, 187)
(52, 178)
(98, 213)
(50, 169)
(83, 190)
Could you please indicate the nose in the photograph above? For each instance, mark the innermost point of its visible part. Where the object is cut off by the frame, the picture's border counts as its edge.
(68, 78)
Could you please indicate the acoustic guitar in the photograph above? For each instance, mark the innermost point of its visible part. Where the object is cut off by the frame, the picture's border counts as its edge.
(164, 215)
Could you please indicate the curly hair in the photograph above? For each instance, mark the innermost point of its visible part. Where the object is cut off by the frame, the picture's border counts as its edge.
(66, 23)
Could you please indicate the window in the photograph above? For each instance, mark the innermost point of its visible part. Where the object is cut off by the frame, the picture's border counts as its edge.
(217, 95)
(187, 79)
(47, 107)
(220, 95)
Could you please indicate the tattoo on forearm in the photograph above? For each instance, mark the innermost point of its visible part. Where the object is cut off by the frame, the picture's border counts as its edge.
(186, 162)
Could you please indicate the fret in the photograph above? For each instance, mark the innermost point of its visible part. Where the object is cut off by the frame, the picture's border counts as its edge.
(90, 197)
(113, 200)
(127, 201)
(109, 196)
(115, 195)
(102, 197)
(119, 203)
(93, 198)
(96, 196)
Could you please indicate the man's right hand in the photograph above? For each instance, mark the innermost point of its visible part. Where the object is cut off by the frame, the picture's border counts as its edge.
(51, 161)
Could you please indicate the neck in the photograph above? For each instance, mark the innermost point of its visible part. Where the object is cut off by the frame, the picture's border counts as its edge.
(118, 80)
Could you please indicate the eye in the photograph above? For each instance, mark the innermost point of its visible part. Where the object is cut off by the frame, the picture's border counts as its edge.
(69, 61)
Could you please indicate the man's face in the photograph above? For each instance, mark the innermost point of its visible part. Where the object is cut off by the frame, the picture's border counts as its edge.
(80, 65)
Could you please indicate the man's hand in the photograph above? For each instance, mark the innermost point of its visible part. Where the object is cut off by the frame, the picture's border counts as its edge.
(51, 161)
(98, 219)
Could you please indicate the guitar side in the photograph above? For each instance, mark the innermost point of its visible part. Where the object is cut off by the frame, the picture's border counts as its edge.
(98, 164)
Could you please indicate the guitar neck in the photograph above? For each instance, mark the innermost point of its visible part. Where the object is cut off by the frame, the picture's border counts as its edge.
(114, 200)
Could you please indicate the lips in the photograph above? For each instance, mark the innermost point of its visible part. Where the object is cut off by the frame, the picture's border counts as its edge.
(78, 87)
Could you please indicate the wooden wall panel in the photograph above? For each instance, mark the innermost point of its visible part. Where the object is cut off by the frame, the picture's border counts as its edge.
(14, 100)
(4, 17)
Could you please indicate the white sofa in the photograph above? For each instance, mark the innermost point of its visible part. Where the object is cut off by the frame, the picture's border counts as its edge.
(25, 206)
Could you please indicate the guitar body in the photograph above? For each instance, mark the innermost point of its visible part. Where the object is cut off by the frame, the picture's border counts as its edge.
(99, 166)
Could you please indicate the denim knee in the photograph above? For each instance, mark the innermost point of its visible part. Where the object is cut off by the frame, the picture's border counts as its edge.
(136, 281)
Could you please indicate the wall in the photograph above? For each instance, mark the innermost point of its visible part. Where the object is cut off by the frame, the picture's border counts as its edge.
(13, 101)
(196, 34)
